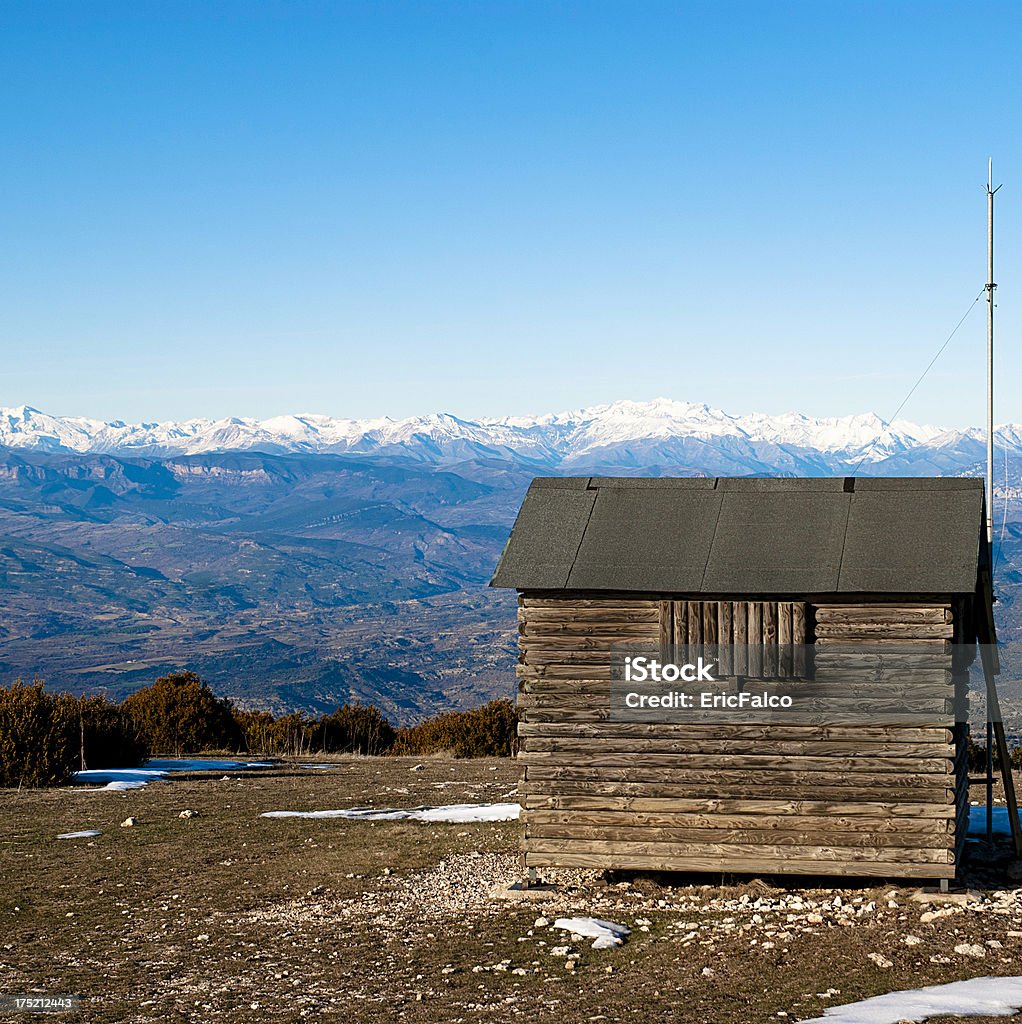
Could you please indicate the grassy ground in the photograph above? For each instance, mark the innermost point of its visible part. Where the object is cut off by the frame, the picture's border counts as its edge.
(228, 916)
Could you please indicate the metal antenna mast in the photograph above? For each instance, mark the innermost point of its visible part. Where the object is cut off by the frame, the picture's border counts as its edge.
(991, 191)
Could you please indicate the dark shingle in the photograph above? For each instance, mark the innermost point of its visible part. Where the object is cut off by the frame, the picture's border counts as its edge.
(643, 538)
(545, 538)
(747, 535)
(924, 539)
(781, 540)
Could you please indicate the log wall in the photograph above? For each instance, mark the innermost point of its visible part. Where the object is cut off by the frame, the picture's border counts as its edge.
(858, 799)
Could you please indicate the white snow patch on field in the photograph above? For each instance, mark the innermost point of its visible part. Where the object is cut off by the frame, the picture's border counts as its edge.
(978, 821)
(157, 768)
(458, 813)
(977, 997)
(606, 933)
(182, 764)
(86, 833)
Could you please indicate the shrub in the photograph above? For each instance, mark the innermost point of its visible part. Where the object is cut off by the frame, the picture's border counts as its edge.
(180, 713)
(39, 736)
(108, 737)
(489, 731)
(355, 729)
(294, 734)
(261, 733)
(256, 729)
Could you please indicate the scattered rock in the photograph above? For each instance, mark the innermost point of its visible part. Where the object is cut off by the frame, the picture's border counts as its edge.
(972, 949)
(188, 813)
(912, 940)
(129, 822)
(418, 768)
(959, 898)
(517, 892)
(880, 960)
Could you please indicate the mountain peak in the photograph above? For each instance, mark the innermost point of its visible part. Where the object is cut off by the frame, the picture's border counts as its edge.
(658, 432)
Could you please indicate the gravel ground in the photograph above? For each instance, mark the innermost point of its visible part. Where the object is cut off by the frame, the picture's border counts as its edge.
(226, 916)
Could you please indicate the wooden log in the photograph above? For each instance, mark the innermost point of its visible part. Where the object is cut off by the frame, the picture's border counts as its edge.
(653, 766)
(883, 613)
(739, 865)
(547, 620)
(807, 788)
(572, 802)
(785, 661)
(770, 653)
(754, 735)
(550, 630)
(686, 745)
(821, 854)
(710, 628)
(740, 616)
(666, 611)
(800, 666)
(694, 618)
(869, 631)
(586, 603)
(922, 646)
(755, 650)
(584, 644)
(725, 637)
(767, 834)
(680, 629)
(835, 822)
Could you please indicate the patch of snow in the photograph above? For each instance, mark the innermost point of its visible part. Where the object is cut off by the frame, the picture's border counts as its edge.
(457, 813)
(86, 833)
(183, 764)
(978, 821)
(606, 933)
(320, 767)
(119, 779)
(977, 997)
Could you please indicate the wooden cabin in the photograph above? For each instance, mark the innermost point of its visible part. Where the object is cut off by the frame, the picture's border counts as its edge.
(769, 563)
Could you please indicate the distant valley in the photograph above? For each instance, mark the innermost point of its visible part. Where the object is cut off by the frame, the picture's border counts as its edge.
(299, 567)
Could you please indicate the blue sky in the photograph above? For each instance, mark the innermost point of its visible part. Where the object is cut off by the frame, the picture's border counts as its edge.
(487, 208)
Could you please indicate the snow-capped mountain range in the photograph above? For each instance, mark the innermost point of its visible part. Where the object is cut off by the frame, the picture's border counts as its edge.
(627, 435)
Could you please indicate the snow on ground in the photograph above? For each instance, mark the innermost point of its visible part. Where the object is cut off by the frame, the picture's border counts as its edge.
(118, 778)
(183, 764)
(87, 833)
(458, 813)
(318, 766)
(606, 933)
(157, 768)
(977, 997)
(978, 821)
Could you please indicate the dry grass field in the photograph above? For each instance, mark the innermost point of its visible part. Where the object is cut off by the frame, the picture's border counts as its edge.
(229, 916)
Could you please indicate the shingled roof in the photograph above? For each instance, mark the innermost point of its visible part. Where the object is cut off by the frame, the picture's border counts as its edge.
(747, 535)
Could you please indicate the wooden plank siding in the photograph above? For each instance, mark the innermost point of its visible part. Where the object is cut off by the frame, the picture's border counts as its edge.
(856, 799)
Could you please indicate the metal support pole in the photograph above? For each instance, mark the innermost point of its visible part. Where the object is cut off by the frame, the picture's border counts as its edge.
(990, 778)
(990, 288)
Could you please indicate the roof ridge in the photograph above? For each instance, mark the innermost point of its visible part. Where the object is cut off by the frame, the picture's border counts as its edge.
(713, 536)
(589, 519)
